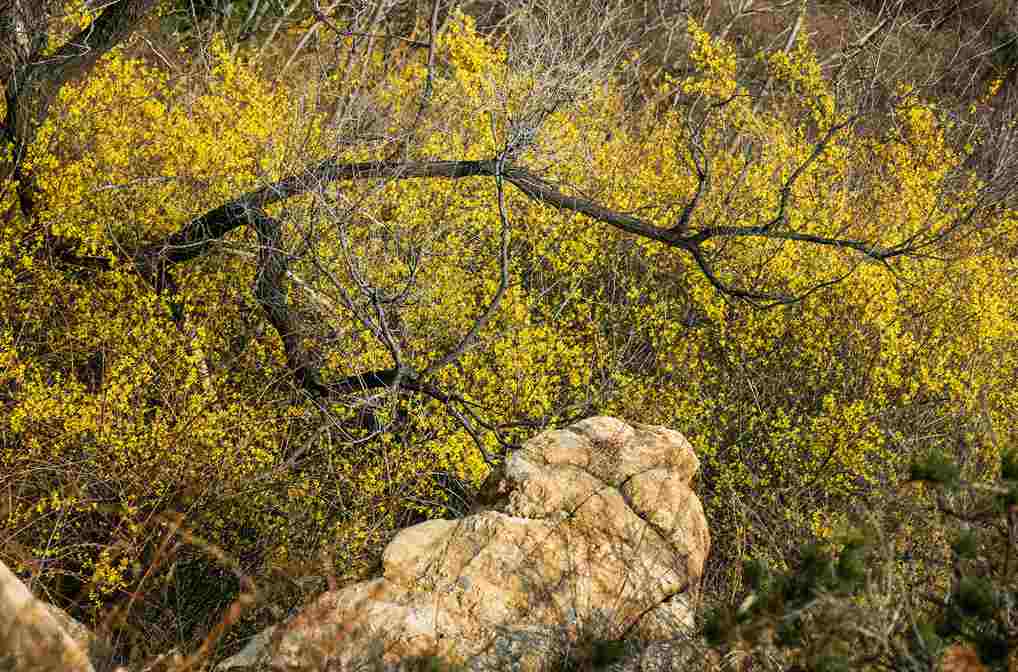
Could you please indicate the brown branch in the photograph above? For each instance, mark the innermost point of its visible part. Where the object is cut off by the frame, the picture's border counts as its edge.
(544, 192)
(470, 338)
(271, 291)
(34, 83)
(749, 295)
(701, 164)
(866, 248)
(197, 236)
(786, 188)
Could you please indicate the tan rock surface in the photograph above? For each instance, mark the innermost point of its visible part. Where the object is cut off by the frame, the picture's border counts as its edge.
(31, 637)
(589, 530)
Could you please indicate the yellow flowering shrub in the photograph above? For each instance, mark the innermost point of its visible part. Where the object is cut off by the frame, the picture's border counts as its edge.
(114, 415)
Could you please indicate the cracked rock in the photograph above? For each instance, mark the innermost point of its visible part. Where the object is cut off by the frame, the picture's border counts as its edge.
(591, 531)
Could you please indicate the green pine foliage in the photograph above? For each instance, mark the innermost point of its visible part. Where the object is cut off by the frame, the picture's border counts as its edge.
(826, 610)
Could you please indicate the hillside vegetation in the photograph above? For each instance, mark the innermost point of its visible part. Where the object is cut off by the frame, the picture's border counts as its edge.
(274, 284)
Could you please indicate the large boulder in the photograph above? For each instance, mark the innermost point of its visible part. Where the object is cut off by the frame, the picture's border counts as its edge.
(588, 532)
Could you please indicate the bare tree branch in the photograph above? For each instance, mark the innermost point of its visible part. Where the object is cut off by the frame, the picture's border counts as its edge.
(561, 79)
(35, 80)
(470, 338)
(271, 292)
